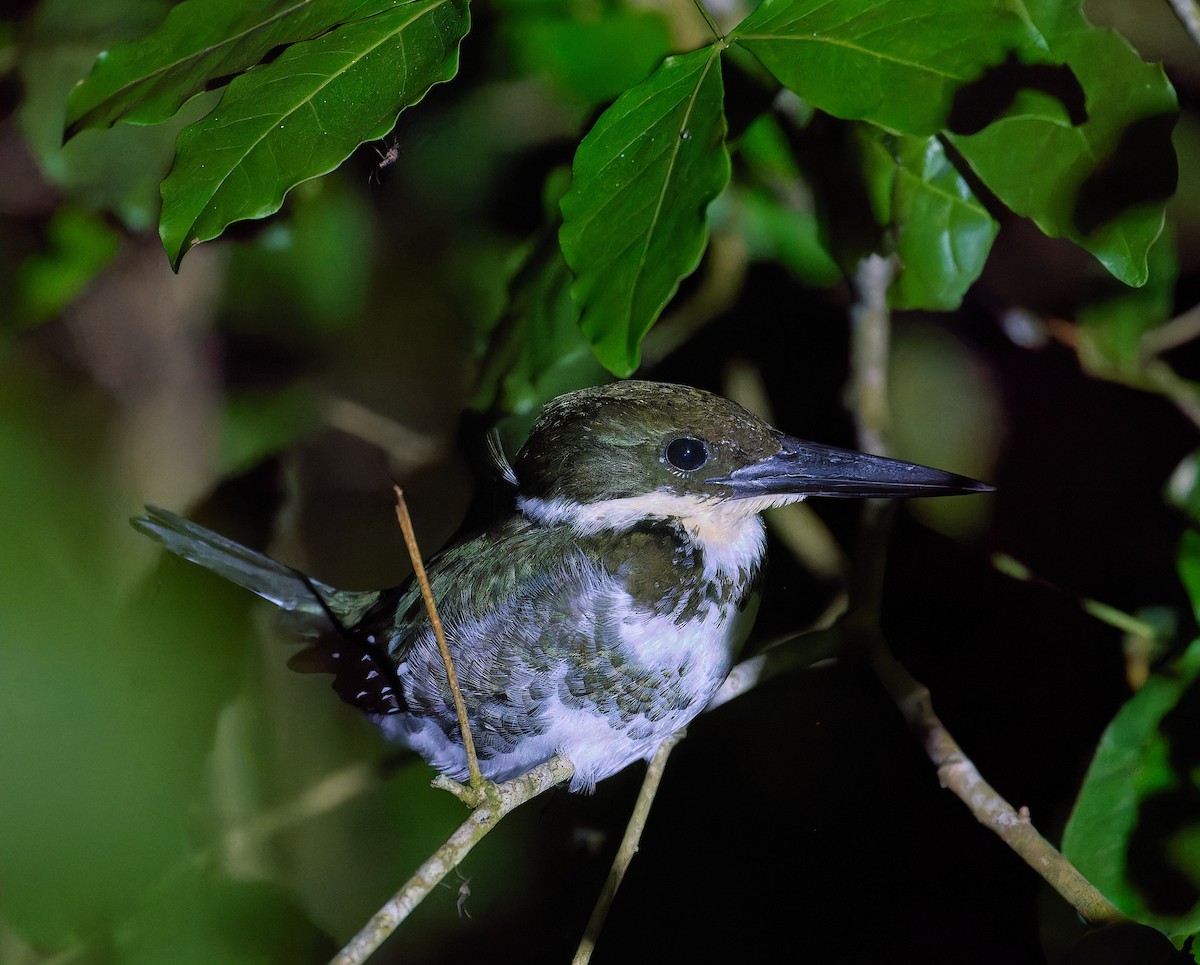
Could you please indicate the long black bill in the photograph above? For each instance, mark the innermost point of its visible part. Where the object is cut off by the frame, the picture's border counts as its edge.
(812, 469)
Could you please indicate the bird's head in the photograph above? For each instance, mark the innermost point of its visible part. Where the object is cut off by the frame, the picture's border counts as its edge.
(610, 456)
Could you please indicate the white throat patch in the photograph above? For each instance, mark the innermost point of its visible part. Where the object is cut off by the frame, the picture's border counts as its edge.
(729, 532)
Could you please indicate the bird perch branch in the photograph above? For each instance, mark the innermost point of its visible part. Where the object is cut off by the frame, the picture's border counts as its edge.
(499, 800)
(955, 770)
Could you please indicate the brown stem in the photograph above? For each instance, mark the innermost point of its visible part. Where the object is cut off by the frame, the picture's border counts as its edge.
(460, 708)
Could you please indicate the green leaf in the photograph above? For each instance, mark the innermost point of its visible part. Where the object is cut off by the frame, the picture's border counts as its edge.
(302, 115)
(1189, 567)
(537, 350)
(201, 43)
(634, 218)
(1134, 829)
(1102, 182)
(313, 267)
(1112, 329)
(897, 63)
(594, 53)
(772, 206)
(80, 244)
(939, 229)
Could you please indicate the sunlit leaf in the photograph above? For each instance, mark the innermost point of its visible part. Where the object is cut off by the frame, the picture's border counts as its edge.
(938, 228)
(1098, 172)
(897, 63)
(303, 114)
(201, 43)
(634, 218)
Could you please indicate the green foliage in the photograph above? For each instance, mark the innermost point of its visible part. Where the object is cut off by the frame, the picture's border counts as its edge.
(634, 219)
(941, 117)
(539, 351)
(1099, 179)
(1061, 122)
(80, 244)
(303, 114)
(1135, 828)
(938, 228)
(594, 52)
(897, 63)
(200, 42)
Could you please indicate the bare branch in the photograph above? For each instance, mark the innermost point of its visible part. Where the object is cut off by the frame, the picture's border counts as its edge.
(956, 771)
(627, 849)
(1188, 12)
(499, 800)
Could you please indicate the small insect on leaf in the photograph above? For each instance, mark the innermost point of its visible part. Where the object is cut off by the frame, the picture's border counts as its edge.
(387, 157)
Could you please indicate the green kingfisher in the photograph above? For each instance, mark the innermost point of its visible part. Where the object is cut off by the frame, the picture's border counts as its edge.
(601, 614)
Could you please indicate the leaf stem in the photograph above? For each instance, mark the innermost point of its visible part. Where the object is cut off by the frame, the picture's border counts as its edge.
(712, 24)
(476, 778)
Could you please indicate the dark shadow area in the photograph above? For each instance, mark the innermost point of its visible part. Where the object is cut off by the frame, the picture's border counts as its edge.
(978, 104)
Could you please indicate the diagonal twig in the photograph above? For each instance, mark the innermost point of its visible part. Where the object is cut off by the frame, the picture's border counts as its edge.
(501, 799)
(956, 771)
(410, 540)
(628, 848)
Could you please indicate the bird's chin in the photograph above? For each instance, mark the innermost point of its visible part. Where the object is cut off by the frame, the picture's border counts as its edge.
(752, 505)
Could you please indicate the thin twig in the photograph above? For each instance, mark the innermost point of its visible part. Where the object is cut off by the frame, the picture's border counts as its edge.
(500, 800)
(460, 708)
(955, 770)
(1171, 334)
(790, 653)
(627, 849)
(712, 24)
(958, 773)
(1188, 12)
(1104, 612)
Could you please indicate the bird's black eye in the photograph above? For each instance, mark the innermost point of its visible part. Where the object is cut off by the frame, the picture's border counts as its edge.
(687, 453)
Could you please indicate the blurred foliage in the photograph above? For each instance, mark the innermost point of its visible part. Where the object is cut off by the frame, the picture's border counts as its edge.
(577, 188)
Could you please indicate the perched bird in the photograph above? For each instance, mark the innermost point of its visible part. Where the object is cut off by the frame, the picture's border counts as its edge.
(602, 614)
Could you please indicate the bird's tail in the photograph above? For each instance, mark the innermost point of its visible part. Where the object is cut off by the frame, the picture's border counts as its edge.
(287, 588)
(340, 623)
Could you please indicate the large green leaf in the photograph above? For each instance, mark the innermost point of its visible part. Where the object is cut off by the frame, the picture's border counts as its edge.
(201, 42)
(1102, 182)
(897, 63)
(303, 114)
(634, 218)
(939, 229)
(1135, 829)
